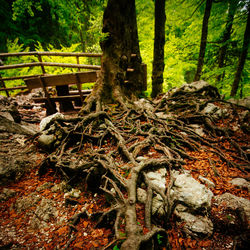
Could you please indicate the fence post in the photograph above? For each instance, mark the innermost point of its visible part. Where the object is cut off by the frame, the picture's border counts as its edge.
(78, 62)
(4, 86)
(41, 61)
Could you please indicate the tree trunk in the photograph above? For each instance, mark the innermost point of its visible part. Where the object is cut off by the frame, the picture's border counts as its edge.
(226, 35)
(115, 83)
(203, 40)
(243, 56)
(159, 42)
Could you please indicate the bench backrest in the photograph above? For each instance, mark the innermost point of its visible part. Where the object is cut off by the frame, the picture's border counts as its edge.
(63, 79)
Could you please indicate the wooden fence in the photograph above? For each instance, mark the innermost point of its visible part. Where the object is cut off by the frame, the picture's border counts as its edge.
(42, 64)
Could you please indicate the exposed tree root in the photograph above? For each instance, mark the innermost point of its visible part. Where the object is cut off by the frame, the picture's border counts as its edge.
(113, 149)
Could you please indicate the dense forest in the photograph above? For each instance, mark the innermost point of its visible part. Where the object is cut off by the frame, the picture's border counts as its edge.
(76, 26)
(150, 148)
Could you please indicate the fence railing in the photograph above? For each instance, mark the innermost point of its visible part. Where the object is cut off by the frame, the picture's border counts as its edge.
(42, 64)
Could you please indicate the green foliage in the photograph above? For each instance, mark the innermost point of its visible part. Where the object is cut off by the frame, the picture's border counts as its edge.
(14, 46)
(159, 239)
(116, 247)
(72, 25)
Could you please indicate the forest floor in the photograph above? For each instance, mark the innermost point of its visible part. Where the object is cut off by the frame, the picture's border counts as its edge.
(23, 227)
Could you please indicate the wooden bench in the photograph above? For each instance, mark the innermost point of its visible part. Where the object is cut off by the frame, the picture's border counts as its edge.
(77, 78)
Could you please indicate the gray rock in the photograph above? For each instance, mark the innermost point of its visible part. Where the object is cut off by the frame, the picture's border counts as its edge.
(196, 225)
(74, 193)
(47, 120)
(241, 183)
(6, 194)
(9, 126)
(141, 195)
(210, 109)
(157, 202)
(209, 183)
(234, 203)
(46, 210)
(23, 203)
(189, 191)
(242, 102)
(197, 129)
(9, 109)
(198, 85)
(144, 104)
(158, 205)
(158, 178)
(46, 141)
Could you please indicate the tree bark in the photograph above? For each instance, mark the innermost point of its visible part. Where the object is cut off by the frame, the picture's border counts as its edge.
(159, 42)
(226, 35)
(115, 83)
(243, 56)
(203, 40)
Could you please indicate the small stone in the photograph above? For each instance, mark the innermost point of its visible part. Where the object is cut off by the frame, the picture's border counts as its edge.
(189, 191)
(46, 141)
(141, 195)
(196, 225)
(45, 122)
(241, 183)
(158, 178)
(141, 158)
(209, 183)
(6, 194)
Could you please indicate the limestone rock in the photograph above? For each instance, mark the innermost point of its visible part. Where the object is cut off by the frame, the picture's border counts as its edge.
(47, 120)
(46, 141)
(196, 225)
(242, 102)
(234, 203)
(197, 129)
(74, 193)
(26, 202)
(6, 194)
(158, 178)
(46, 210)
(209, 183)
(9, 109)
(241, 183)
(9, 126)
(189, 191)
(141, 195)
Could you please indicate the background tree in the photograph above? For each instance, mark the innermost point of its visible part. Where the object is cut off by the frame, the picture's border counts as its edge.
(232, 6)
(121, 41)
(243, 56)
(203, 40)
(159, 42)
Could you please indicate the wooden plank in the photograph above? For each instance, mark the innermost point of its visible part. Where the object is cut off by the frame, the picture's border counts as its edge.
(21, 65)
(58, 98)
(65, 65)
(20, 77)
(14, 88)
(63, 79)
(47, 53)
(72, 65)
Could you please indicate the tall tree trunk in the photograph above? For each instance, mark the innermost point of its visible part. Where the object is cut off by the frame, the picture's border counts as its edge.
(203, 40)
(226, 35)
(159, 42)
(115, 83)
(243, 56)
